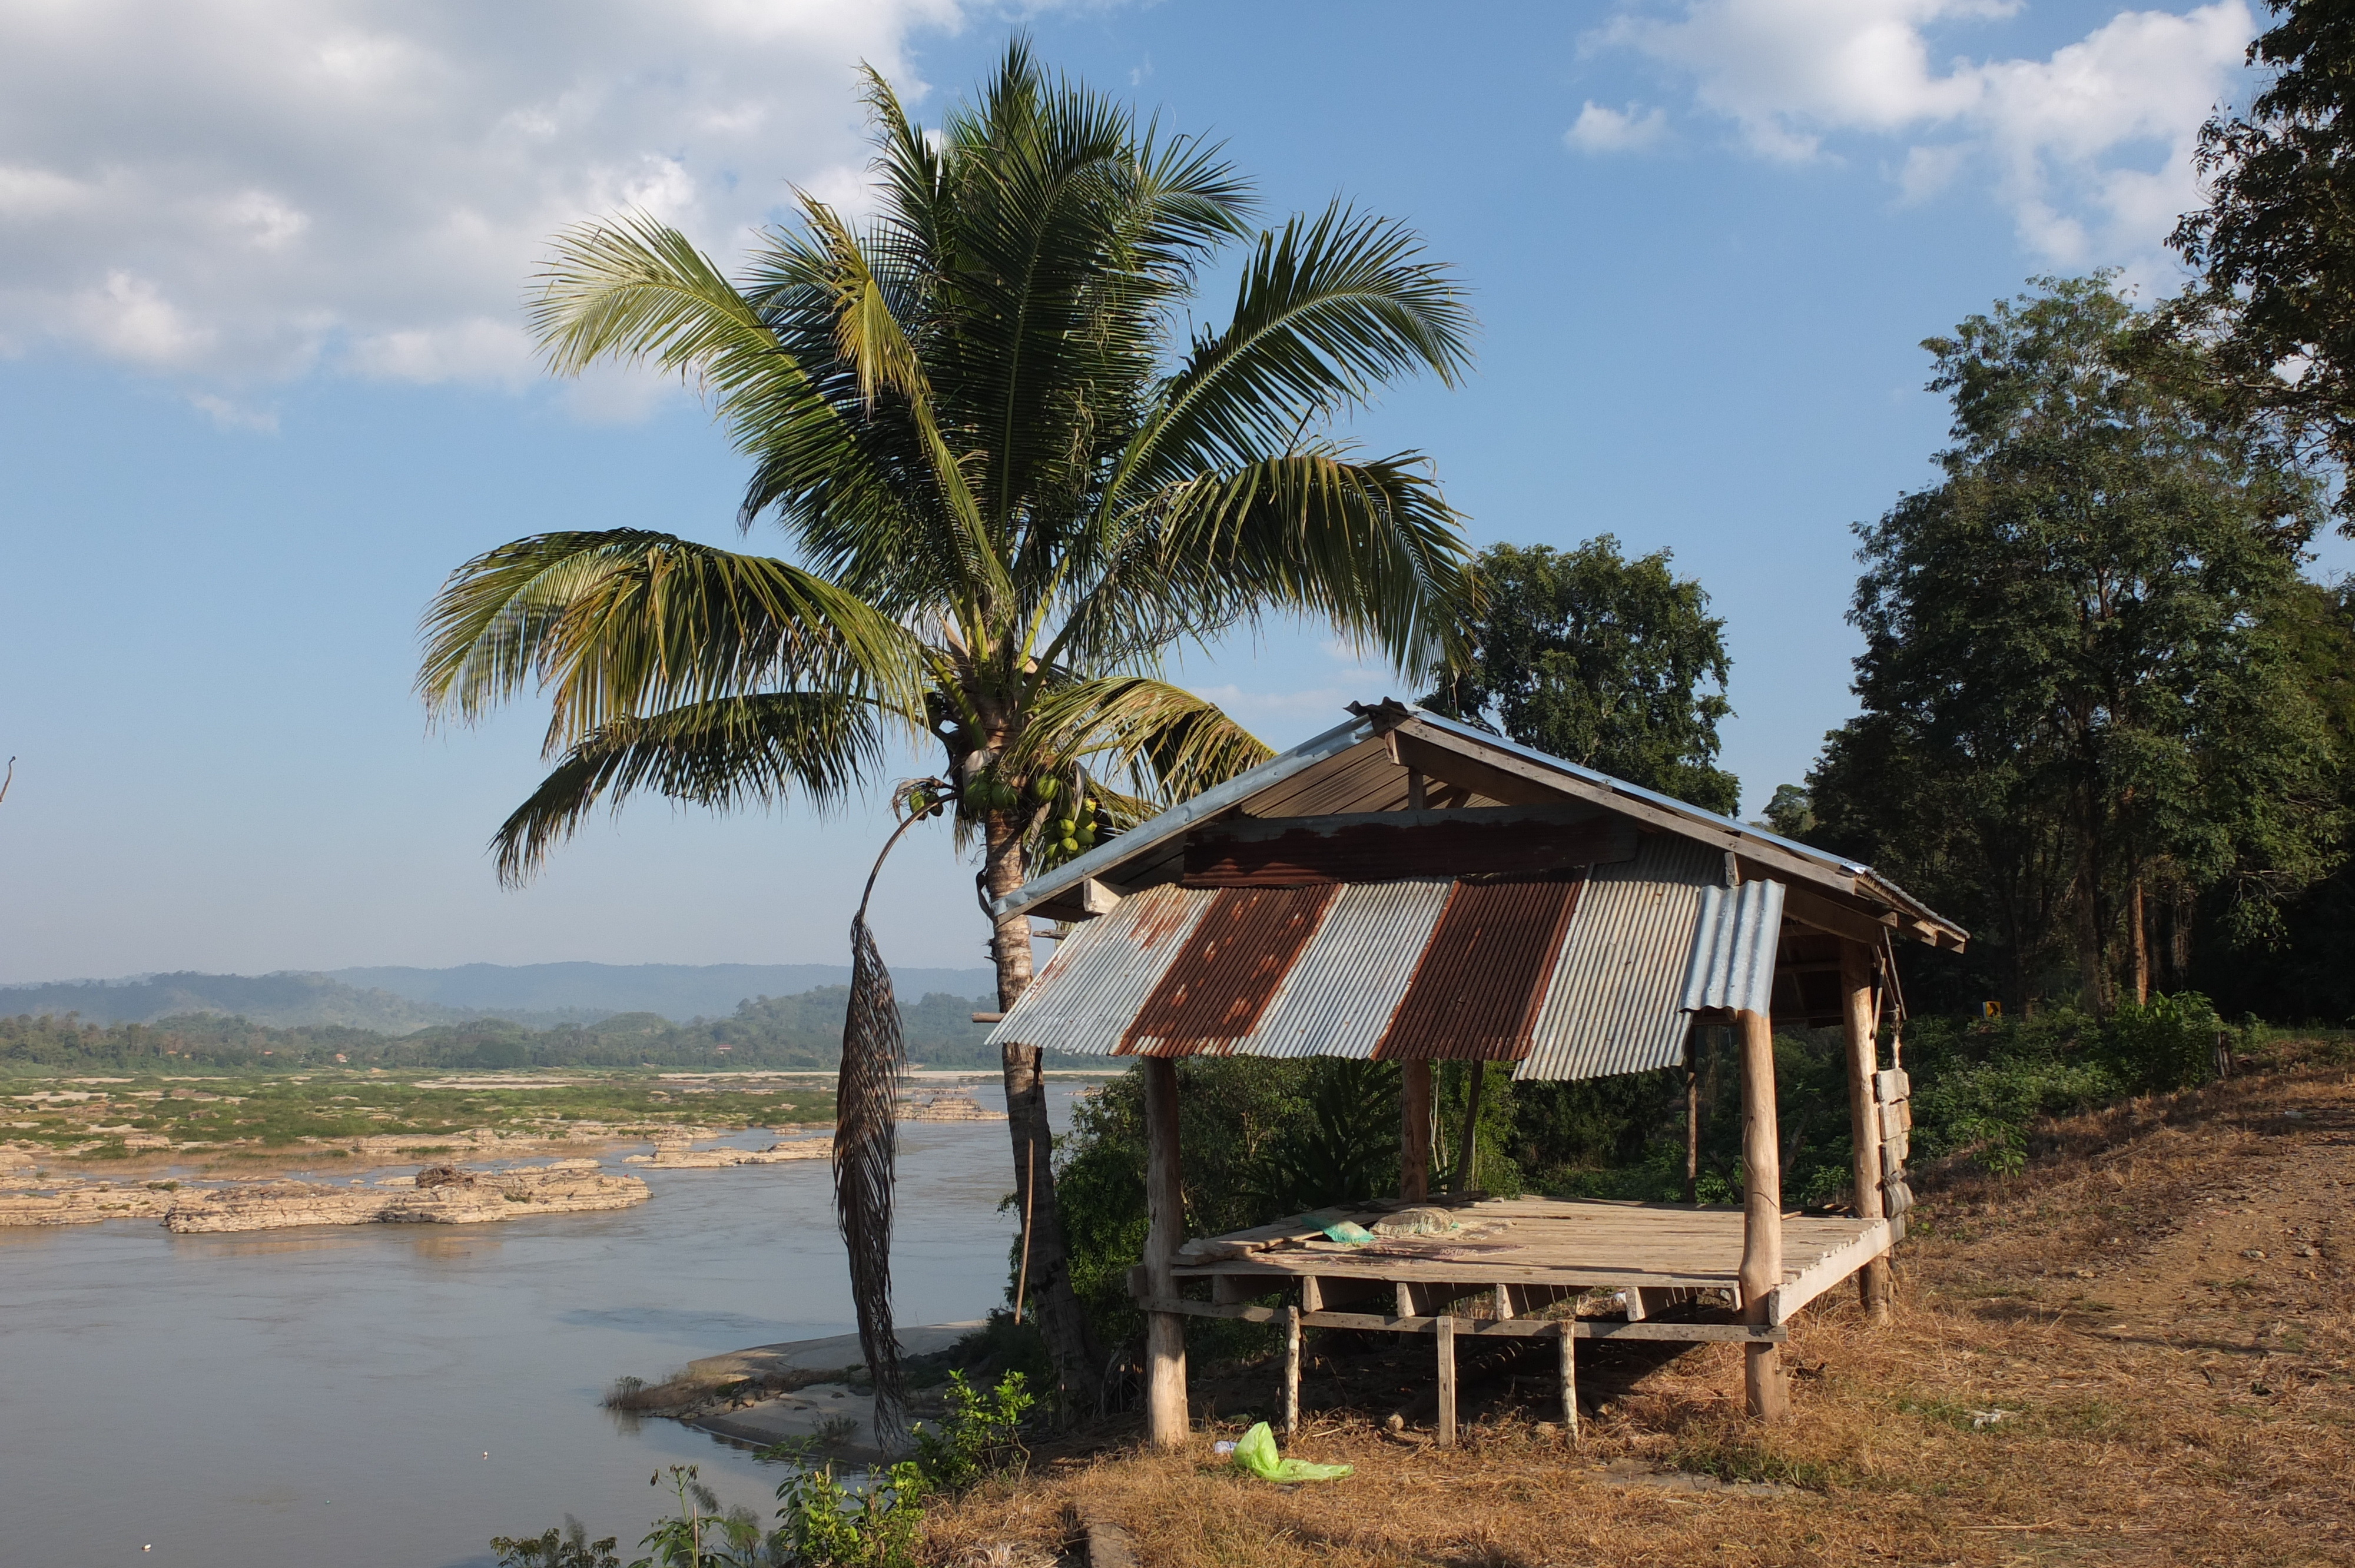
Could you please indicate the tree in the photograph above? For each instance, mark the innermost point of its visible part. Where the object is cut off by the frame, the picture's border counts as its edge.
(1603, 661)
(2076, 692)
(1008, 486)
(2274, 241)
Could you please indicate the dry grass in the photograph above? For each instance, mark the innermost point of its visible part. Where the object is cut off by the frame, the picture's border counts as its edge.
(2164, 1397)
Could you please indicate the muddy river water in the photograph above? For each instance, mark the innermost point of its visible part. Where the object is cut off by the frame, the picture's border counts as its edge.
(393, 1396)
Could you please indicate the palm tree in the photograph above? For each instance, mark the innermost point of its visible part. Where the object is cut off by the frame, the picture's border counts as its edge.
(1009, 488)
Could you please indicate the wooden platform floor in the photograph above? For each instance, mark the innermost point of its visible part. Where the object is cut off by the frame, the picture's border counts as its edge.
(1548, 1246)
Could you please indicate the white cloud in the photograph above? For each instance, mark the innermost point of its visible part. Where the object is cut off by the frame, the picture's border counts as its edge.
(230, 415)
(1602, 129)
(237, 191)
(2089, 148)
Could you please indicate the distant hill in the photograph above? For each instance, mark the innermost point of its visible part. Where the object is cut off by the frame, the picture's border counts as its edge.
(286, 1001)
(392, 1001)
(676, 991)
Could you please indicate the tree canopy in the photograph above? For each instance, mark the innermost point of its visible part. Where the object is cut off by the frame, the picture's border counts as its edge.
(2076, 691)
(1610, 663)
(2276, 240)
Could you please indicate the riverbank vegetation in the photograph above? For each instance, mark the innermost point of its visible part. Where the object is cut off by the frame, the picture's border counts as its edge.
(326, 1115)
(802, 1032)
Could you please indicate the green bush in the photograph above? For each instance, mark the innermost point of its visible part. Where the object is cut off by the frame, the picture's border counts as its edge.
(980, 1437)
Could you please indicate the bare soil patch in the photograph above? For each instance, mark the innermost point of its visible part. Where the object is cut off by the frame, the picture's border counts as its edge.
(2140, 1350)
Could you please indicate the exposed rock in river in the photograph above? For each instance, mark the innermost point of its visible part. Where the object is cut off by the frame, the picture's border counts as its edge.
(85, 1203)
(677, 1157)
(450, 1197)
(945, 1105)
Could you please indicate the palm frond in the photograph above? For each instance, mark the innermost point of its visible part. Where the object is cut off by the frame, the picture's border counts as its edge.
(1170, 743)
(1330, 309)
(729, 753)
(1368, 545)
(623, 621)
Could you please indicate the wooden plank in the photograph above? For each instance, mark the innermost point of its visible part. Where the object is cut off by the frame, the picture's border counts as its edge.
(1444, 1330)
(1890, 1085)
(1896, 1118)
(1485, 1328)
(1835, 919)
(1782, 1303)
(1897, 1196)
(1238, 1244)
(1166, 1424)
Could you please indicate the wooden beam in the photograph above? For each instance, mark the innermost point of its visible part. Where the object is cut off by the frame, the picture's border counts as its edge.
(1863, 1026)
(1485, 1328)
(1784, 1303)
(1446, 1331)
(1505, 785)
(1165, 1422)
(1763, 1388)
(1835, 919)
(1533, 784)
(1414, 1131)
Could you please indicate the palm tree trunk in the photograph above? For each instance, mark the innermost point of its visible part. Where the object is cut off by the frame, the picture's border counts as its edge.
(1078, 1366)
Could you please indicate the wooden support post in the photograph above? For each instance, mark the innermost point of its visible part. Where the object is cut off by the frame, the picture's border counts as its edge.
(1692, 1115)
(1765, 1391)
(1570, 1377)
(1414, 1131)
(1165, 1423)
(1863, 1114)
(1446, 1337)
(1290, 1370)
(1468, 1149)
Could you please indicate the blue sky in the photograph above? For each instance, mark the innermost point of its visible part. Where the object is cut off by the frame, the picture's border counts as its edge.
(263, 382)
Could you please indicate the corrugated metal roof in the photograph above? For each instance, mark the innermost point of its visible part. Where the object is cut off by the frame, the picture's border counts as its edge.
(1348, 769)
(1733, 947)
(1600, 997)
(1214, 988)
(1614, 1005)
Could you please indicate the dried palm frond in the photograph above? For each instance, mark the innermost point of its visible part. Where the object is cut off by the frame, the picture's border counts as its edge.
(866, 1137)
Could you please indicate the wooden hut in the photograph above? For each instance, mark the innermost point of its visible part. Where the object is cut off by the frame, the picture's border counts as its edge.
(1408, 888)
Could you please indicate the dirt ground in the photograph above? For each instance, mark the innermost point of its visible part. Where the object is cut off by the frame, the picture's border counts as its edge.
(2138, 1351)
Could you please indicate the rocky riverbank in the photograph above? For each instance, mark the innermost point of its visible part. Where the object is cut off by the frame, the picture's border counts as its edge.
(814, 1390)
(439, 1195)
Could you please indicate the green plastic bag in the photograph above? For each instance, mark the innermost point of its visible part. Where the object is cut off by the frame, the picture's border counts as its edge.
(1348, 1231)
(1256, 1452)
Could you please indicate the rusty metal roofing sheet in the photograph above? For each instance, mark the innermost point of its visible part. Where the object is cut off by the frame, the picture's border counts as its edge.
(1609, 1003)
(1213, 990)
(1733, 945)
(1614, 1003)
(1480, 979)
(1353, 971)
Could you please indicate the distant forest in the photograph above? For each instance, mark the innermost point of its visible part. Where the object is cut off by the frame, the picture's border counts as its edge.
(801, 1031)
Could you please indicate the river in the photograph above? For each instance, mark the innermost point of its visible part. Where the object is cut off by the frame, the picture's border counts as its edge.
(393, 1396)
